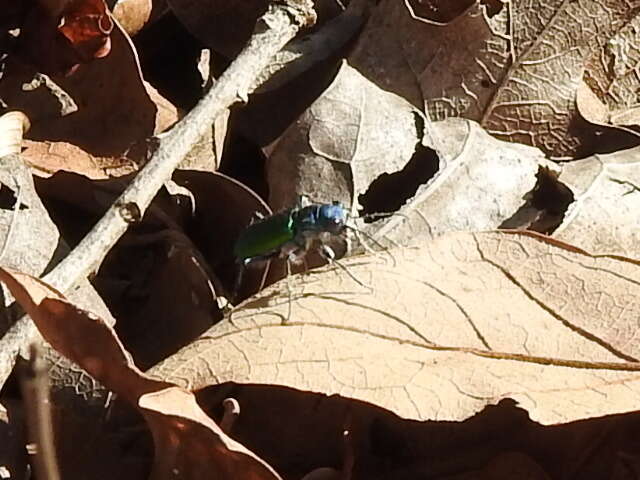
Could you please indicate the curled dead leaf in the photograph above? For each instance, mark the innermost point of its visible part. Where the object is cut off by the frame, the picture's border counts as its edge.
(13, 125)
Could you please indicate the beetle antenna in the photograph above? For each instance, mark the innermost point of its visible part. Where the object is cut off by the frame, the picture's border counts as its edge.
(289, 288)
(372, 240)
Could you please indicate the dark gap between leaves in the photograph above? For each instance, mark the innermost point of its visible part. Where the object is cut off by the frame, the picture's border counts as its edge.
(243, 160)
(169, 57)
(8, 199)
(544, 210)
(390, 191)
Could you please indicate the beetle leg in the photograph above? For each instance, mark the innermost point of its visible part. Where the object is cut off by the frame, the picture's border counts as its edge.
(329, 255)
(289, 289)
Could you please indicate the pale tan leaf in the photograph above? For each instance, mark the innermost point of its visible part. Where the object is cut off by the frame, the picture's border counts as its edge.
(460, 323)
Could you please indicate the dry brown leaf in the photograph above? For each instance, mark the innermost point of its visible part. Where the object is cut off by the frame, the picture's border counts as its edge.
(513, 67)
(349, 136)
(460, 323)
(604, 216)
(104, 108)
(30, 241)
(185, 437)
(46, 158)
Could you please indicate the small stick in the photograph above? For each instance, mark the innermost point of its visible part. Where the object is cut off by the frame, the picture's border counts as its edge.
(35, 390)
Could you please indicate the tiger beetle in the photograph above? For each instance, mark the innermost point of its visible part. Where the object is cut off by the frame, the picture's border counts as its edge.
(292, 233)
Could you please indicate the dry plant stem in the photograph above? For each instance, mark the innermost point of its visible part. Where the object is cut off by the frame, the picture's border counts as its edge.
(231, 414)
(275, 28)
(35, 390)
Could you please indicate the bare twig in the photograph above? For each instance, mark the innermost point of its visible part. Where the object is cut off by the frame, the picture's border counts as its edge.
(35, 390)
(274, 29)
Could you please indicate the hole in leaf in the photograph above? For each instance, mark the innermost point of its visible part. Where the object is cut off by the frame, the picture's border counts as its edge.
(389, 192)
(8, 199)
(546, 207)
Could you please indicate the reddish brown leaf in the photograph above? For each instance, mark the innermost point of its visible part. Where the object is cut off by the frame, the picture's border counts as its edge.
(186, 439)
(87, 25)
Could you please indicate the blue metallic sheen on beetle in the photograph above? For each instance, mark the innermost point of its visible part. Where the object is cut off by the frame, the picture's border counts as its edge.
(289, 233)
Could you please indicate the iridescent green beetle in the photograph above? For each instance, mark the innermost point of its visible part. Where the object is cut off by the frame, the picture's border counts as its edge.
(289, 234)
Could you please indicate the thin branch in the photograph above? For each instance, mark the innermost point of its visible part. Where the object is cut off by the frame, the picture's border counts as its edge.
(274, 29)
(35, 390)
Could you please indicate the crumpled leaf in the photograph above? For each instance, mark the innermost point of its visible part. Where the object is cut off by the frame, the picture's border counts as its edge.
(349, 136)
(481, 184)
(604, 215)
(187, 441)
(462, 322)
(30, 241)
(513, 67)
(611, 77)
